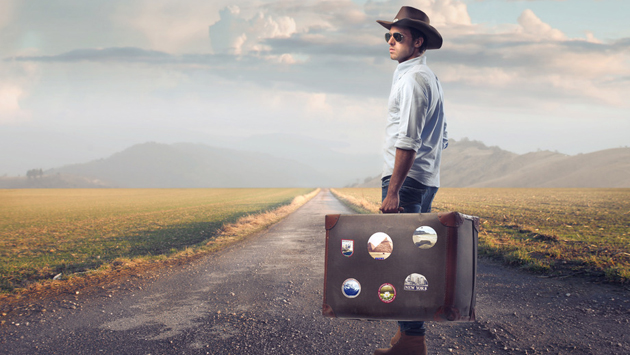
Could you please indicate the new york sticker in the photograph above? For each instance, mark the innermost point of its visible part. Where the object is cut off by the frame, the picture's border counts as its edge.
(416, 282)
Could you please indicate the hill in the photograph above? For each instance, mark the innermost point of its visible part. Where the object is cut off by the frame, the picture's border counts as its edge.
(467, 163)
(188, 165)
(321, 155)
(284, 161)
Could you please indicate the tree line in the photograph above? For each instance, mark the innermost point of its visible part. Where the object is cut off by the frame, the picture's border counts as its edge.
(34, 173)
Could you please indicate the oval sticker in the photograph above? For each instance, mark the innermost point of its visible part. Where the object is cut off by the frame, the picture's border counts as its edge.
(380, 246)
(416, 282)
(424, 237)
(351, 288)
(387, 293)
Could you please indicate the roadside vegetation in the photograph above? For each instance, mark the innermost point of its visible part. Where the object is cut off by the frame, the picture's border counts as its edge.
(62, 233)
(555, 232)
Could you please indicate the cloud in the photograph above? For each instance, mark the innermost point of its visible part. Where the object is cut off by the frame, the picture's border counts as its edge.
(6, 12)
(440, 12)
(126, 54)
(536, 28)
(322, 67)
(171, 26)
(233, 34)
(10, 110)
(15, 81)
(326, 47)
(317, 102)
(531, 65)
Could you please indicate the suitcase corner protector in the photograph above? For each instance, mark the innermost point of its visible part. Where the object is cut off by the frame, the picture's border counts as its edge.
(447, 313)
(450, 219)
(327, 311)
(331, 220)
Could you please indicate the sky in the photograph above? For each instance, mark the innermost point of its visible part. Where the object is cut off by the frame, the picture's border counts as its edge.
(81, 80)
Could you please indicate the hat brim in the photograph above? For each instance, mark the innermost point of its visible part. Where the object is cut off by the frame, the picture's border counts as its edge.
(432, 36)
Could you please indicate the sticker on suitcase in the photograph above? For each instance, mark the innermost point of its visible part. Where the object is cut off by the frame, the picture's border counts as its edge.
(416, 282)
(351, 288)
(387, 293)
(424, 237)
(347, 247)
(380, 246)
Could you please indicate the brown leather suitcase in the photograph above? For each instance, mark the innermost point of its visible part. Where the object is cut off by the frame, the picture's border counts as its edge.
(401, 266)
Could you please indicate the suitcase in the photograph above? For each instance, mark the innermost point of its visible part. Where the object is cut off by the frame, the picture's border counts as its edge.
(410, 267)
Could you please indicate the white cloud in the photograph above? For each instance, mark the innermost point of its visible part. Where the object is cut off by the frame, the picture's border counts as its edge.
(498, 78)
(267, 27)
(317, 102)
(534, 26)
(171, 26)
(10, 110)
(440, 12)
(15, 81)
(590, 37)
(282, 59)
(448, 12)
(532, 65)
(305, 64)
(6, 12)
(236, 34)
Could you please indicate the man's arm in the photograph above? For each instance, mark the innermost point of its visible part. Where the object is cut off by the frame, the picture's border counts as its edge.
(402, 164)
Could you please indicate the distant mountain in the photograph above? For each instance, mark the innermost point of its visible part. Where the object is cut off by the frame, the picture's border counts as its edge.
(287, 161)
(607, 168)
(467, 163)
(321, 155)
(151, 165)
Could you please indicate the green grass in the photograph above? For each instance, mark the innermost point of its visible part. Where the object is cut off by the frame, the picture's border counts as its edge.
(550, 231)
(44, 232)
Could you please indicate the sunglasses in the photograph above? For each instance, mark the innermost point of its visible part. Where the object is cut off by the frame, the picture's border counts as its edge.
(397, 36)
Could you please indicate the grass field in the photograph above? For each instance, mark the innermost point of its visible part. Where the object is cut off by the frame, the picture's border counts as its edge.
(550, 231)
(44, 232)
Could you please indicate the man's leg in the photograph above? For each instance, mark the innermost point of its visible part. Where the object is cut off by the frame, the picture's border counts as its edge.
(414, 198)
(427, 199)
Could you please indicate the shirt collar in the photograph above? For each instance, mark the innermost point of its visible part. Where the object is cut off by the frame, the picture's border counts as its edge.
(403, 67)
(411, 62)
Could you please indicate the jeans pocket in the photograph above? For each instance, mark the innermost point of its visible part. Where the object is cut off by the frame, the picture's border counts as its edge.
(411, 199)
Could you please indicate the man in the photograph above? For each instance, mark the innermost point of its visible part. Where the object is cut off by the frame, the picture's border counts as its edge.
(415, 137)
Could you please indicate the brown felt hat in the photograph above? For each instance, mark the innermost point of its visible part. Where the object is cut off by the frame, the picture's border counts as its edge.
(411, 17)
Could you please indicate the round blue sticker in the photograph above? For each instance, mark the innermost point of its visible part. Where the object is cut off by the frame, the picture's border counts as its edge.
(351, 288)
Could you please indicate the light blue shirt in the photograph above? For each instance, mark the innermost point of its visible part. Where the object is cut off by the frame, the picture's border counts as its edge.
(415, 121)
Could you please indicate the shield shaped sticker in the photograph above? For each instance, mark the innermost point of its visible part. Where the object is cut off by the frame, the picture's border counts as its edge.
(347, 247)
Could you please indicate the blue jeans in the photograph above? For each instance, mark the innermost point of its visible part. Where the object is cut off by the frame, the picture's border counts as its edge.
(414, 198)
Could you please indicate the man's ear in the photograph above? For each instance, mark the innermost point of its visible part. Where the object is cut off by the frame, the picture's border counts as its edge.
(418, 42)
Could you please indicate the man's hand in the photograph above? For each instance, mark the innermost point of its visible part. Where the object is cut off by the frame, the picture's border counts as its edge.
(402, 163)
(390, 204)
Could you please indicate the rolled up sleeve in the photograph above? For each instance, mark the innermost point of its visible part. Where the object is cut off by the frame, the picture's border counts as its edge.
(413, 113)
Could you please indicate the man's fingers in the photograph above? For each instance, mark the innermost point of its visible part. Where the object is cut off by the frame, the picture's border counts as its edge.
(393, 210)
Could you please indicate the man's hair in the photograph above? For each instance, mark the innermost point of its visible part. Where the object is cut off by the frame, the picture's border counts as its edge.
(415, 34)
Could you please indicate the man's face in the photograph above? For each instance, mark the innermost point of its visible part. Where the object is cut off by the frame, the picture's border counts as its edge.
(405, 50)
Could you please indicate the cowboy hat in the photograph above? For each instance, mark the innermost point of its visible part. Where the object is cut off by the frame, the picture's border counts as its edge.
(412, 17)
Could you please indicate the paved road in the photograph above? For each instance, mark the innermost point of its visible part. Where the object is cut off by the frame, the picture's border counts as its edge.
(264, 296)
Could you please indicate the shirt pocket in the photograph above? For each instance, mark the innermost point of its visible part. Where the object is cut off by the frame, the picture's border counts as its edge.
(393, 107)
